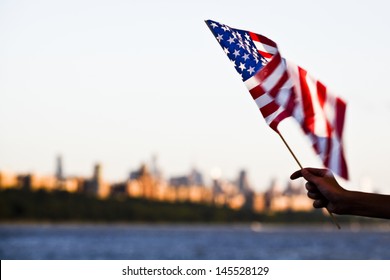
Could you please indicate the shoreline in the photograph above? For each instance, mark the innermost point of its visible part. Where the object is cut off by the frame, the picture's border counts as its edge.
(254, 227)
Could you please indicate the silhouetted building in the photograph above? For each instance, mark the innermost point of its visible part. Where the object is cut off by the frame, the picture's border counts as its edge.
(96, 185)
(243, 183)
(246, 190)
(258, 203)
(155, 170)
(293, 198)
(97, 173)
(180, 181)
(35, 182)
(142, 184)
(24, 182)
(196, 178)
(119, 189)
(142, 171)
(227, 193)
(269, 196)
(59, 169)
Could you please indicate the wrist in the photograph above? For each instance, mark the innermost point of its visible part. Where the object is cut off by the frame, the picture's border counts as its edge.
(345, 202)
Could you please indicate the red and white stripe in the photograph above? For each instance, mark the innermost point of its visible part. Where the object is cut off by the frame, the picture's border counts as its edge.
(282, 89)
(321, 115)
(271, 87)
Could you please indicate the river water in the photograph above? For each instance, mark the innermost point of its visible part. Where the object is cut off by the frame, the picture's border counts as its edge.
(212, 242)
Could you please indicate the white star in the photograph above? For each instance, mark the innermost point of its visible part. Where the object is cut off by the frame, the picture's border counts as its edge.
(241, 44)
(247, 36)
(245, 56)
(236, 53)
(219, 37)
(225, 28)
(226, 50)
(242, 66)
(231, 40)
(239, 35)
(234, 63)
(213, 25)
(234, 35)
(251, 70)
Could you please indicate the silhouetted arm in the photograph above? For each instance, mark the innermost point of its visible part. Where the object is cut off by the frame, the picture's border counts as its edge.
(323, 188)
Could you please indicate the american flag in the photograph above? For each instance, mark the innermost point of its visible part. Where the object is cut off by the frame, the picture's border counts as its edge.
(282, 89)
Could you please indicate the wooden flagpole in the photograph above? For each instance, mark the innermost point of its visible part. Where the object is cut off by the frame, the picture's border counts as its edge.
(300, 165)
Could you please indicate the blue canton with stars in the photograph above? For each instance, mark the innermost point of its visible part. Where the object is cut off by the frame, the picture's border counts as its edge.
(239, 47)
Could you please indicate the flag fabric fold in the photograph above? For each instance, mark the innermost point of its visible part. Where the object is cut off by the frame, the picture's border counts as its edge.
(282, 89)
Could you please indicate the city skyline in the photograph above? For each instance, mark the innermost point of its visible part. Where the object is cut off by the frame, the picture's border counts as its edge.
(117, 81)
(148, 183)
(59, 171)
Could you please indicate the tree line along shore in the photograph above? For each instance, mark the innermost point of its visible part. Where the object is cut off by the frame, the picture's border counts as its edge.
(59, 206)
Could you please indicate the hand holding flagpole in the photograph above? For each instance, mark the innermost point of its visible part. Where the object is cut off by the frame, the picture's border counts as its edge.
(300, 166)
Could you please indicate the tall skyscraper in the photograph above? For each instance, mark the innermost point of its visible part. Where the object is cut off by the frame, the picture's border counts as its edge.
(155, 170)
(96, 185)
(59, 168)
(243, 182)
(97, 173)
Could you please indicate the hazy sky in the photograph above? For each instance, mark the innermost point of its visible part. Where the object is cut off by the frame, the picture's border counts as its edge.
(116, 81)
